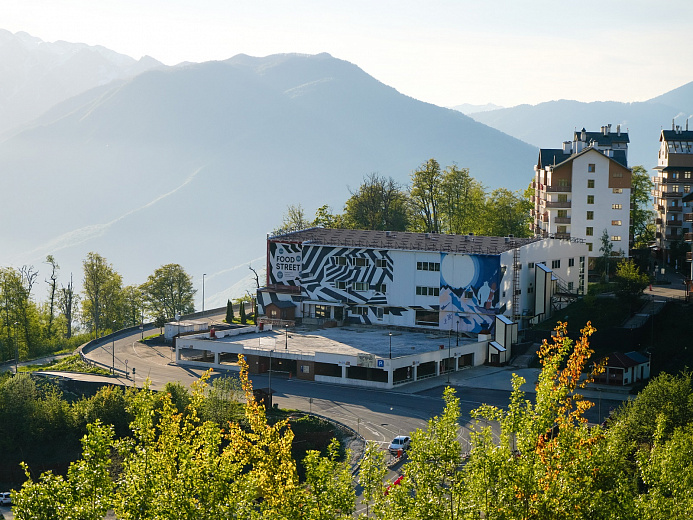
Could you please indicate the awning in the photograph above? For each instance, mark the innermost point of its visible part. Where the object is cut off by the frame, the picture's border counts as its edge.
(498, 346)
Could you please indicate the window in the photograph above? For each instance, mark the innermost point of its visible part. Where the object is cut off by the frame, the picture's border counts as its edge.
(555, 264)
(590, 183)
(360, 262)
(469, 294)
(361, 311)
(615, 238)
(360, 286)
(562, 213)
(675, 188)
(590, 168)
(615, 222)
(589, 231)
(322, 311)
(617, 174)
(428, 266)
(570, 286)
(427, 291)
(687, 175)
(590, 215)
(340, 260)
(590, 199)
(379, 313)
(617, 190)
(340, 285)
(589, 246)
(530, 265)
(381, 287)
(571, 262)
(530, 289)
(687, 189)
(381, 262)
(427, 318)
(562, 197)
(616, 206)
(518, 291)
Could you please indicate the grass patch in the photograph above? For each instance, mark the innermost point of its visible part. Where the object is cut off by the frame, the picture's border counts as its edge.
(68, 364)
(147, 338)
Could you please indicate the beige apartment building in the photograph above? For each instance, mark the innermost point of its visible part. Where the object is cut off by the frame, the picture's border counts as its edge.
(583, 188)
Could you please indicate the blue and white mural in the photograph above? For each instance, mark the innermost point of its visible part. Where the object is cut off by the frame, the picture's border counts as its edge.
(469, 286)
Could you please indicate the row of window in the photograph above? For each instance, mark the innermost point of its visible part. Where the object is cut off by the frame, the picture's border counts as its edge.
(359, 262)
(427, 291)
(590, 200)
(360, 286)
(591, 168)
(428, 266)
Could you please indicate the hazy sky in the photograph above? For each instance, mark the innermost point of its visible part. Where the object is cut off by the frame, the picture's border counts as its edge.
(446, 52)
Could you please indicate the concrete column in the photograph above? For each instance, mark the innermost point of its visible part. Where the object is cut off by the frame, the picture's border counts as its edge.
(216, 358)
(390, 376)
(438, 367)
(344, 372)
(414, 372)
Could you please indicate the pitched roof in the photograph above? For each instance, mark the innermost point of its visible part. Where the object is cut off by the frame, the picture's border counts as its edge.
(621, 360)
(618, 156)
(551, 157)
(468, 244)
(601, 138)
(673, 135)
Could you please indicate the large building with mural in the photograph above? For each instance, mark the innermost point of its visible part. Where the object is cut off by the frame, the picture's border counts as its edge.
(421, 280)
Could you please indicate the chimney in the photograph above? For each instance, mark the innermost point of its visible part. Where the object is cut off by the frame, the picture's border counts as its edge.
(672, 125)
(567, 147)
(609, 127)
(583, 135)
(618, 130)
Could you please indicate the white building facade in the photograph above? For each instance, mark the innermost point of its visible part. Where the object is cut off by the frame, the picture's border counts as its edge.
(397, 279)
(583, 190)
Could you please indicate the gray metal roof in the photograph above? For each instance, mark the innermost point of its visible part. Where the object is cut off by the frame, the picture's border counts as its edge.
(601, 138)
(469, 244)
(673, 135)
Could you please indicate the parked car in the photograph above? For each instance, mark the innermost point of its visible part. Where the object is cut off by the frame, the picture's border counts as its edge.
(5, 499)
(401, 442)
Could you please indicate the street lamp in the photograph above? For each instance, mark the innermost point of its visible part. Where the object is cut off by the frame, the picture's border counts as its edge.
(457, 339)
(16, 349)
(390, 334)
(269, 372)
(203, 294)
(449, 353)
(113, 350)
(286, 337)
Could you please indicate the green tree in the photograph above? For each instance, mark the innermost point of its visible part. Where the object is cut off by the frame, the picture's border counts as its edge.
(293, 220)
(378, 204)
(133, 306)
(462, 202)
(630, 282)
(507, 213)
(605, 249)
(68, 303)
(325, 218)
(102, 288)
(330, 494)
(641, 213)
(229, 311)
(52, 294)
(425, 196)
(168, 291)
(241, 312)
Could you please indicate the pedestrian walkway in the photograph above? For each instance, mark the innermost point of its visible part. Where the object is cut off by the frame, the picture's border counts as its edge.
(500, 378)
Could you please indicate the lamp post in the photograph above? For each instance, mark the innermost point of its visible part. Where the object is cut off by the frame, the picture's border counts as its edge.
(449, 352)
(16, 349)
(113, 349)
(203, 294)
(457, 339)
(286, 337)
(390, 334)
(269, 372)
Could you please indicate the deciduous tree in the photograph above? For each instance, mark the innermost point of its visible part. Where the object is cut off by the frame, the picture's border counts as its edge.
(378, 204)
(169, 291)
(641, 213)
(102, 293)
(425, 195)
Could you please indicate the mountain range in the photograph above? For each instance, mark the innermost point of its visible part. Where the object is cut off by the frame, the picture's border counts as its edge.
(193, 164)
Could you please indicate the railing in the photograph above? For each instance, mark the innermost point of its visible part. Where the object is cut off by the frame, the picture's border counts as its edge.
(676, 223)
(671, 236)
(559, 189)
(558, 204)
(689, 256)
(671, 194)
(562, 220)
(688, 217)
(688, 237)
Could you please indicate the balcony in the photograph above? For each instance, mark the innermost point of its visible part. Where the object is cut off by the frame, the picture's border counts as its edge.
(660, 208)
(688, 237)
(674, 223)
(689, 256)
(658, 221)
(559, 189)
(561, 220)
(658, 235)
(565, 204)
(688, 217)
(671, 194)
(565, 236)
(672, 236)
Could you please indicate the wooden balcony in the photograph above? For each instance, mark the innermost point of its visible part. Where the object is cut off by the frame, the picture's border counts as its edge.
(557, 204)
(689, 256)
(658, 221)
(561, 220)
(671, 194)
(674, 223)
(688, 217)
(688, 237)
(671, 236)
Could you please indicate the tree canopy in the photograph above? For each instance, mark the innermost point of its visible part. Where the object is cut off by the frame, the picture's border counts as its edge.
(169, 291)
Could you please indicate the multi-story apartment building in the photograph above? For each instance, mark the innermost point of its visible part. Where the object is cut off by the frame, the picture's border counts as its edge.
(582, 189)
(671, 185)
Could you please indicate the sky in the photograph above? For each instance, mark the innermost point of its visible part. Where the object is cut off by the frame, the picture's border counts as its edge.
(445, 52)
